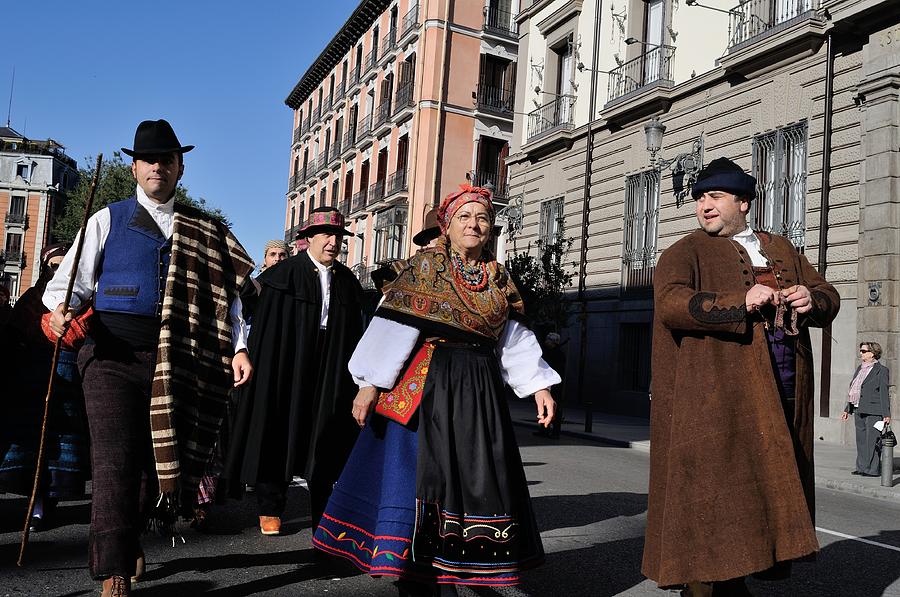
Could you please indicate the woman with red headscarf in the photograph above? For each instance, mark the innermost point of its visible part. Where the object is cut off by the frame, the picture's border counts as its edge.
(434, 492)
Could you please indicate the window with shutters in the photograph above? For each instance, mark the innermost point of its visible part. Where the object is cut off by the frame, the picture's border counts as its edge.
(640, 230)
(779, 165)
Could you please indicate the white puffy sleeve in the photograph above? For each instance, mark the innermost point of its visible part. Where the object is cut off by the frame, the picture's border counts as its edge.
(381, 353)
(521, 364)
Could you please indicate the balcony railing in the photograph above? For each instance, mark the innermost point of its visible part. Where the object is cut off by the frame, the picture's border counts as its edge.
(345, 206)
(322, 162)
(335, 153)
(500, 22)
(295, 180)
(326, 104)
(371, 60)
(376, 193)
(349, 138)
(359, 200)
(17, 257)
(551, 116)
(364, 274)
(496, 99)
(365, 127)
(497, 184)
(404, 97)
(396, 182)
(340, 91)
(37, 148)
(297, 133)
(382, 114)
(355, 75)
(304, 127)
(311, 169)
(291, 233)
(410, 20)
(657, 65)
(389, 42)
(755, 17)
(21, 219)
(316, 115)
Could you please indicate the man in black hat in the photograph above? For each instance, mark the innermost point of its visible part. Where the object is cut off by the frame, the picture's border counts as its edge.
(731, 475)
(167, 337)
(294, 418)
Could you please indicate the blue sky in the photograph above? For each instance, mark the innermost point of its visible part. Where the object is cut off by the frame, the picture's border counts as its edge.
(88, 72)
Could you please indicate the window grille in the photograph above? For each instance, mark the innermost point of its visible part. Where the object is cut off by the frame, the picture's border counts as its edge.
(640, 229)
(779, 165)
(552, 220)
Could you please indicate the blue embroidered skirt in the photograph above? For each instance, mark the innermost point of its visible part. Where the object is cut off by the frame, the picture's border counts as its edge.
(445, 500)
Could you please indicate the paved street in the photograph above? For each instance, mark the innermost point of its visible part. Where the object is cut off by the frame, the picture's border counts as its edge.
(591, 506)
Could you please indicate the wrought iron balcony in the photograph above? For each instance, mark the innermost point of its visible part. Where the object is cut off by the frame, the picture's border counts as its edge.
(656, 66)
(20, 219)
(326, 104)
(410, 21)
(322, 162)
(12, 257)
(500, 22)
(404, 97)
(389, 42)
(297, 133)
(349, 141)
(376, 193)
(371, 60)
(359, 200)
(295, 180)
(752, 18)
(345, 206)
(355, 75)
(496, 99)
(316, 115)
(382, 114)
(365, 127)
(340, 91)
(497, 184)
(396, 183)
(335, 153)
(304, 127)
(311, 169)
(364, 274)
(555, 115)
(291, 233)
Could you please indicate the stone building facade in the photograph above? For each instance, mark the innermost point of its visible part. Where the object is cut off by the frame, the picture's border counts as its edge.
(34, 176)
(408, 100)
(801, 93)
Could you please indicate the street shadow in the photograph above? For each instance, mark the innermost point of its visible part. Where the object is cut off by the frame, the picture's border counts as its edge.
(12, 514)
(564, 511)
(206, 564)
(263, 586)
(842, 568)
(190, 587)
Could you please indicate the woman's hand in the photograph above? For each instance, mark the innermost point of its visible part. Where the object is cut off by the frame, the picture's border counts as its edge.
(364, 403)
(845, 415)
(546, 407)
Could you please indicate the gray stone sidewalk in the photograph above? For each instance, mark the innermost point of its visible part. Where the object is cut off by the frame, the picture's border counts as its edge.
(834, 462)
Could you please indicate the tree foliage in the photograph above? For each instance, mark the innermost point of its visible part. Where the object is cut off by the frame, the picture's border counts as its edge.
(116, 183)
(542, 281)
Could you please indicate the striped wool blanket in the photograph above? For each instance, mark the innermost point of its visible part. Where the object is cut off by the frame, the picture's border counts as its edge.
(193, 375)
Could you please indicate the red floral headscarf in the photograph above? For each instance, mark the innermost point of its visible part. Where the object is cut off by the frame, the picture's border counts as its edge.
(465, 194)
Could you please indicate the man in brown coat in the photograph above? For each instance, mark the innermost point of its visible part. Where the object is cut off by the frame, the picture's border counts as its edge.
(731, 465)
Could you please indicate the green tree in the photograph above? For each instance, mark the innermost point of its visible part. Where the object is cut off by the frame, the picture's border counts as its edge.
(116, 183)
(542, 281)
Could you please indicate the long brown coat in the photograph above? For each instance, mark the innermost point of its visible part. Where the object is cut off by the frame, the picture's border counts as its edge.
(729, 493)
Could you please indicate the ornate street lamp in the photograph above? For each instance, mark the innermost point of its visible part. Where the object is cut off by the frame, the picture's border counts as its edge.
(684, 166)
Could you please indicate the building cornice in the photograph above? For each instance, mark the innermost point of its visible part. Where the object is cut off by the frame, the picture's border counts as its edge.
(346, 37)
(559, 17)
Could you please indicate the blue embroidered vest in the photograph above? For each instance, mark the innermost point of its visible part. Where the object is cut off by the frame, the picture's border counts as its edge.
(135, 263)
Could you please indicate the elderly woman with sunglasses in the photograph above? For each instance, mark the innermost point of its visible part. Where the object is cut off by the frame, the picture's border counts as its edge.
(434, 492)
(870, 402)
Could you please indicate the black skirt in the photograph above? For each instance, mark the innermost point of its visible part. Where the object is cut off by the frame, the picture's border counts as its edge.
(473, 511)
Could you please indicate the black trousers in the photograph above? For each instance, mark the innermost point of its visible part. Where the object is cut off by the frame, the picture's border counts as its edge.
(271, 497)
(117, 401)
(868, 459)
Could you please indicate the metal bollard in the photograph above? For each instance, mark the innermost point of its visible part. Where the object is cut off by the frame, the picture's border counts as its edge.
(887, 457)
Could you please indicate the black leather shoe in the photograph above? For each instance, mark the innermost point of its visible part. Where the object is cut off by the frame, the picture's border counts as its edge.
(856, 473)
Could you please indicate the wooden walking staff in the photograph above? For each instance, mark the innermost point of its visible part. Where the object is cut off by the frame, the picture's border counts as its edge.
(40, 456)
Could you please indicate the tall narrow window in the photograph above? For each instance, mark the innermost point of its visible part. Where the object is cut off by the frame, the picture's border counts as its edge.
(641, 223)
(552, 220)
(390, 230)
(653, 53)
(779, 165)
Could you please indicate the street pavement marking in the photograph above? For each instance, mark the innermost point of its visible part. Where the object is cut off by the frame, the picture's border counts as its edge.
(860, 539)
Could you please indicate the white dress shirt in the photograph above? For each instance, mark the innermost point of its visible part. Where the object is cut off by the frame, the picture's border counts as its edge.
(386, 345)
(325, 282)
(96, 233)
(750, 242)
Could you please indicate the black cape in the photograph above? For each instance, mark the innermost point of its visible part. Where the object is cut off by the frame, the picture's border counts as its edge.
(294, 416)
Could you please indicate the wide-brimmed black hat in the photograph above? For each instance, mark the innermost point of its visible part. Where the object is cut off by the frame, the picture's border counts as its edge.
(430, 229)
(324, 219)
(155, 137)
(724, 175)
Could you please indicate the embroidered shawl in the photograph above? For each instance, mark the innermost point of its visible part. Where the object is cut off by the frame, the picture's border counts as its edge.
(425, 294)
(193, 375)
